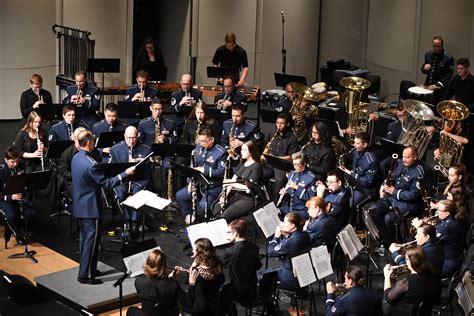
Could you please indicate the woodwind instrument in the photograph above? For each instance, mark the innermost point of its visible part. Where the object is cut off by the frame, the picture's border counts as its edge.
(225, 190)
(130, 159)
(282, 195)
(388, 180)
(420, 184)
(40, 97)
(268, 147)
(194, 198)
(231, 151)
(399, 272)
(196, 136)
(157, 159)
(39, 143)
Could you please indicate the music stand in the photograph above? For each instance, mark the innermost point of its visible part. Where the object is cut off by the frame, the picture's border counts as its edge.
(372, 232)
(222, 72)
(279, 163)
(108, 139)
(268, 116)
(50, 112)
(200, 178)
(281, 80)
(389, 147)
(26, 183)
(332, 127)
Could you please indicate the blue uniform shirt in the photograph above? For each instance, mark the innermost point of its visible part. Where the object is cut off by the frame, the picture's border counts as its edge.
(183, 111)
(146, 130)
(62, 131)
(149, 92)
(322, 230)
(90, 94)
(406, 196)
(245, 131)
(103, 126)
(339, 206)
(213, 160)
(358, 301)
(303, 193)
(365, 169)
(236, 97)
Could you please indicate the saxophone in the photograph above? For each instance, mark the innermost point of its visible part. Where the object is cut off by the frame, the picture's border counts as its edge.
(268, 146)
(157, 159)
(231, 151)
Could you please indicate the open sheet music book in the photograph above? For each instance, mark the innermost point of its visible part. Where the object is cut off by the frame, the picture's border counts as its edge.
(309, 267)
(134, 256)
(215, 231)
(145, 197)
(267, 219)
(349, 242)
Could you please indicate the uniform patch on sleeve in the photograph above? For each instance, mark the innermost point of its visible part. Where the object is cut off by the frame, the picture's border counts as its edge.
(173, 101)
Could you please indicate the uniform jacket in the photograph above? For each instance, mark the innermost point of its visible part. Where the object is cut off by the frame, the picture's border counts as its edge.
(146, 130)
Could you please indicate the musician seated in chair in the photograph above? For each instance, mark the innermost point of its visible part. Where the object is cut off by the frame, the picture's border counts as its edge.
(244, 191)
(110, 123)
(319, 150)
(299, 187)
(225, 100)
(401, 197)
(197, 120)
(129, 150)
(64, 129)
(282, 144)
(141, 92)
(210, 159)
(320, 226)
(365, 170)
(337, 195)
(184, 100)
(10, 203)
(451, 134)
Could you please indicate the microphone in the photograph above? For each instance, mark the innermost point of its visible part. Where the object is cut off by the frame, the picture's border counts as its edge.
(282, 16)
(122, 278)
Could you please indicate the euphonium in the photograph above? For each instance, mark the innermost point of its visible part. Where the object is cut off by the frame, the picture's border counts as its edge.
(157, 159)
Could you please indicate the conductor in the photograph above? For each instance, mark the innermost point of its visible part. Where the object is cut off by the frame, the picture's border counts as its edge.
(87, 179)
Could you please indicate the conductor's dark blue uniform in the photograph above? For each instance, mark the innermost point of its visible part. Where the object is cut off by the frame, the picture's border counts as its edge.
(87, 179)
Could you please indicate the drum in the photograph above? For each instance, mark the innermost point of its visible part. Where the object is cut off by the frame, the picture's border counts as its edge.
(421, 94)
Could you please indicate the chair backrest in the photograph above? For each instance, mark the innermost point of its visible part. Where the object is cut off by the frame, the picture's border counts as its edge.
(225, 299)
(267, 286)
(404, 86)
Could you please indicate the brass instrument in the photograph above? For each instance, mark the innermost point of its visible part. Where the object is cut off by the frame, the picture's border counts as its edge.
(413, 130)
(220, 103)
(429, 220)
(358, 118)
(341, 160)
(399, 272)
(300, 114)
(157, 159)
(451, 151)
(78, 95)
(231, 151)
(142, 97)
(39, 143)
(341, 290)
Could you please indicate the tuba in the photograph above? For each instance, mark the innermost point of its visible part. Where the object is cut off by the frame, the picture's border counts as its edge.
(451, 151)
(357, 117)
(413, 130)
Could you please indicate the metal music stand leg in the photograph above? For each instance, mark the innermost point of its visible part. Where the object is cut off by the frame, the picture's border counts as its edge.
(26, 253)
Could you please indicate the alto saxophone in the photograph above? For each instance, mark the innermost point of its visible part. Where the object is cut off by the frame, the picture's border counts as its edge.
(231, 151)
(268, 146)
(157, 159)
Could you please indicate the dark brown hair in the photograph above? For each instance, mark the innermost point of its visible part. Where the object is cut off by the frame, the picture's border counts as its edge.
(206, 253)
(155, 265)
(418, 260)
(239, 226)
(356, 274)
(295, 219)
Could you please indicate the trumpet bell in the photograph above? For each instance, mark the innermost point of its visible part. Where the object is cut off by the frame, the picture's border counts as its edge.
(418, 110)
(452, 110)
(354, 83)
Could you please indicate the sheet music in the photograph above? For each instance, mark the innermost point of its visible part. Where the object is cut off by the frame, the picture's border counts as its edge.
(355, 240)
(139, 199)
(219, 231)
(303, 269)
(215, 231)
(134, 263)
(321, 261)
(267, 219)
(350, 244)
(158, 202)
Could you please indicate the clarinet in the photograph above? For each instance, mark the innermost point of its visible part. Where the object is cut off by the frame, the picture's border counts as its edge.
(282, 195)
(39, 143)
(424, 196)
(193, 184)
(130, 159)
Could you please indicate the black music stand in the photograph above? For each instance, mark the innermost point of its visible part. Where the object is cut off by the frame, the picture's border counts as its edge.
(50, 112)
(281, 80)
(372, 232)
(389, 148)
(26, 183)
(200, 178)
(222, 72)
(269, 116)
(103, 65)
(256, 190)
(108, 139)
(279, 163)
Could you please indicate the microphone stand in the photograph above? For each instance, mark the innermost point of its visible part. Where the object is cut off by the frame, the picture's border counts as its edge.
(283, 50)
(119, 283)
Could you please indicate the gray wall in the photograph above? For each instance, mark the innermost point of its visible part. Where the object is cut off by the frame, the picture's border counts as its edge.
(387, 37)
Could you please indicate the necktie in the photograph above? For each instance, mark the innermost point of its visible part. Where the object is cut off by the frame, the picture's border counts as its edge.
(111, 128)
(69, 131)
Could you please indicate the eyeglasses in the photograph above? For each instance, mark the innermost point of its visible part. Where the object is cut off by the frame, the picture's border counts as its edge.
(330, 182)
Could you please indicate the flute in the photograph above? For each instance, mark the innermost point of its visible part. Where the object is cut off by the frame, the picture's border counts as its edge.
(407, 243)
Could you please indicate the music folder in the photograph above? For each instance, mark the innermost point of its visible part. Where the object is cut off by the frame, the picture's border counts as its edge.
(312, 265)
(56, 149)
(267, 219)
(279, 163)
(215, 231)
(349, 242)
(135, 255)
(108, 139)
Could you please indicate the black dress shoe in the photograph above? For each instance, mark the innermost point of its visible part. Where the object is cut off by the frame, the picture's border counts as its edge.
(7, 234)
(134, 232)
(91, 281)
(97, 273)
(20, 240)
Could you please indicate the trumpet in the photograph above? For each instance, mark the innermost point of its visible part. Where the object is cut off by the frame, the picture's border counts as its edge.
(142, 97)
(220, 103)
(340, 290)
(78, 96)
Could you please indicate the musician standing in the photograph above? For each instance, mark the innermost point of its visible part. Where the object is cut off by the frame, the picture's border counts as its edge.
(365, 170)
(282, 144)
(210, 159)
(337, 195)
(64, 130)
(239, 129)
(402, 195)
(130, 150)
(438, 68)
(87, 179)
(299, 187)
(232, 55)
(184, 100)
(34, 97)
(85, 96)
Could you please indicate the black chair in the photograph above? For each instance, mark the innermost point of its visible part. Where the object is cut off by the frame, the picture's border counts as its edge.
(225, 299)
(154, 309)
(266, 294)
(403, 92)
(447, 297)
